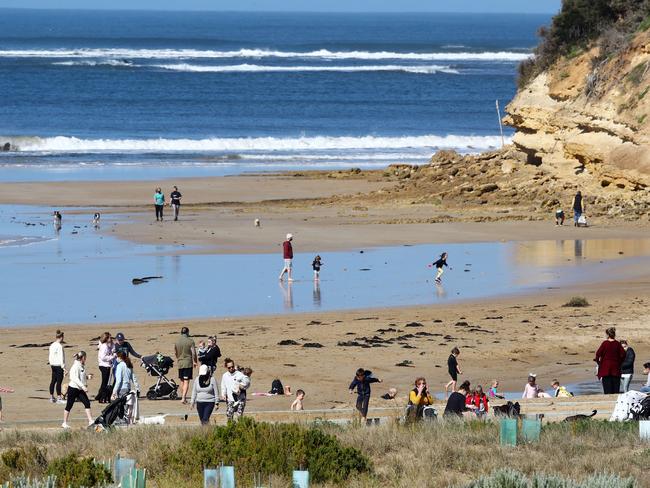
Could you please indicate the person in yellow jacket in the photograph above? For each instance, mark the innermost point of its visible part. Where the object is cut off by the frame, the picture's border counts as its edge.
(419, 397)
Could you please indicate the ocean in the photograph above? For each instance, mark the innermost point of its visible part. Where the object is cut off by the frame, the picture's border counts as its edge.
(145, 95)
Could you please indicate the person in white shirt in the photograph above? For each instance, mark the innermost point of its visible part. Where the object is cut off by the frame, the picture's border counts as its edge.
(57, 363)
(77, 389)
(234, 384)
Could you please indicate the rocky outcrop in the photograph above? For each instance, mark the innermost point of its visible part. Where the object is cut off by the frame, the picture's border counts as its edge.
(588, 121)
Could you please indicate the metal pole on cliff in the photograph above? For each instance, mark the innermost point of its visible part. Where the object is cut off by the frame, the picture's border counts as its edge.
(500, 124)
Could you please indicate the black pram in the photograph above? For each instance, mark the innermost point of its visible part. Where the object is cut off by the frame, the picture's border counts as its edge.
(158, 366)
(117, 413)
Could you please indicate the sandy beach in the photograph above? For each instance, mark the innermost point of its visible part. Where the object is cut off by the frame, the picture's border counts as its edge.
(502, 338)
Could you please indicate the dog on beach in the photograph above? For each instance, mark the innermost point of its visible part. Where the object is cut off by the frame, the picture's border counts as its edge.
(508, 410)
(577, 418)
(156, 420)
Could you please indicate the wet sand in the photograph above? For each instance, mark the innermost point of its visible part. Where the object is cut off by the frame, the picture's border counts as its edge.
(503, 338)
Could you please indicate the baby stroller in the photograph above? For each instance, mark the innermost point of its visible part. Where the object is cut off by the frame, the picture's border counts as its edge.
(119, 413)
(158, 366)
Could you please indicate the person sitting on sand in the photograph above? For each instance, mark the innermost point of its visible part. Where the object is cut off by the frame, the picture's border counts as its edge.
(532, 390)
(456, 404)
(297, 403)
(454, 369)
(493, 392)
(287, 254)
(362, 381)
(479, 400)
(560, 391)
(419, 397)
(646, 387)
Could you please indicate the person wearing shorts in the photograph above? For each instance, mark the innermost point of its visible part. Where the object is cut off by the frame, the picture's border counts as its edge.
(453, 369)
(77, 389)
(287, 253)
(186, 360)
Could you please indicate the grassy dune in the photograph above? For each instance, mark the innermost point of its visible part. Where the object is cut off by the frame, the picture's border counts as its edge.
(436, 454)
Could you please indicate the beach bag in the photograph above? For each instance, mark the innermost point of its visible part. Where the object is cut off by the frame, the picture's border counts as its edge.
(276, 387)
(582, 220)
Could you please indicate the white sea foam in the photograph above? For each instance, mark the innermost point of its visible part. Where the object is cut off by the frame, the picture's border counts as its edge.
(235, 145)
(260, 53)
(119, 63)
(248, 68)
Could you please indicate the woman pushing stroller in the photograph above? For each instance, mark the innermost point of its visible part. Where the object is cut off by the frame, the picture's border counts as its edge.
(125, 382)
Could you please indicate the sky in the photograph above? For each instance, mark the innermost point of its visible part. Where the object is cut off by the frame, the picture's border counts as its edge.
(491, 6)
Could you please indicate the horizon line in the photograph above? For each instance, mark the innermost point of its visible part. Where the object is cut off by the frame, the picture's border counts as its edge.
(86, 9)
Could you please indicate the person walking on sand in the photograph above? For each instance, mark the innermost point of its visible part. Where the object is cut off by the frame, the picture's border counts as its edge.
(442, 261)
(77, 389)
(316, 265)
(578, 208)
(454, 370)
(287, 253)
(361, 382)
(185, 351)
(609, 358)
(205, 394)
(175, 197)
(159, 203)
(105, 358)
(57, 364)
(233, 384)
(627, 367)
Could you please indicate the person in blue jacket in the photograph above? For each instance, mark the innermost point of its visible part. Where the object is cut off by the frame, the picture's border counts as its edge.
(361, 382)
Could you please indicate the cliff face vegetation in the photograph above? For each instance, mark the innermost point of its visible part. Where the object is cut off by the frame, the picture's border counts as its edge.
(582, 111)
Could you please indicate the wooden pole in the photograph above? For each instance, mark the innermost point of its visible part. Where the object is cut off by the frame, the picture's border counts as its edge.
(500, 124)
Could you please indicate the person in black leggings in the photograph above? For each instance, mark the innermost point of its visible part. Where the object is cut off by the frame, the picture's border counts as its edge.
(57, 364)
(105, 357)
(77, 389)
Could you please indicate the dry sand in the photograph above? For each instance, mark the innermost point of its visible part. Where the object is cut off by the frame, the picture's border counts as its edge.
(503, 338)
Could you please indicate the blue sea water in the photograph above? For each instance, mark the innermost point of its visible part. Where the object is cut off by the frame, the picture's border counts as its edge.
(99, 94)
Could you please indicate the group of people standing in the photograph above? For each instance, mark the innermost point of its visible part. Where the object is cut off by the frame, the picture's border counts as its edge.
(114, 364)
(615, 365)
(159, 202)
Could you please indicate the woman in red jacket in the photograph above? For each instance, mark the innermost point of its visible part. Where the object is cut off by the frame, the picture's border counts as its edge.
(609, 357)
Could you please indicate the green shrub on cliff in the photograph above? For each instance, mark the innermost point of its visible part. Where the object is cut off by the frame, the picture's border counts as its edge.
(580, 22)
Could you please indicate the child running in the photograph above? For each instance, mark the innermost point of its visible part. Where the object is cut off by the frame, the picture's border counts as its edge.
(316, 265)
(439, 267)
(362, 381)
(297, 403)
(454, 370)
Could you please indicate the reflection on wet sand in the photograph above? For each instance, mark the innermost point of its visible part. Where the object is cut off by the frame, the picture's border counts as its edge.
(554, 253)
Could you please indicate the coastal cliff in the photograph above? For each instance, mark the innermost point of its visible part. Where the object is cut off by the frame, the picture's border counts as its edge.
(587, 121)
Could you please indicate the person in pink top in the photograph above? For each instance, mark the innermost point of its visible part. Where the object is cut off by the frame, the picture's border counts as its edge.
(105, 358)
(287, 253)
(532, 390)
